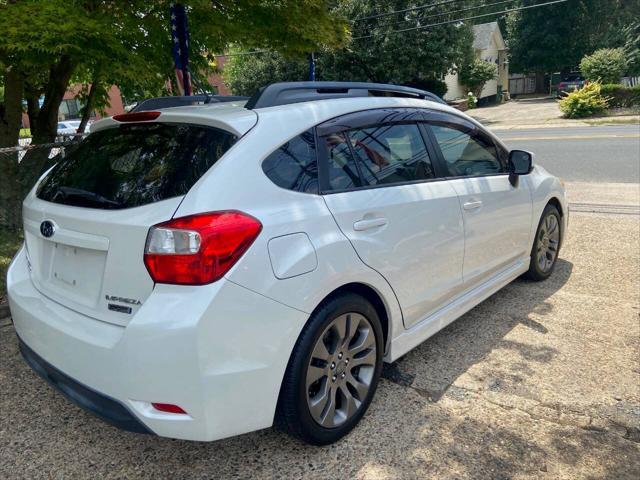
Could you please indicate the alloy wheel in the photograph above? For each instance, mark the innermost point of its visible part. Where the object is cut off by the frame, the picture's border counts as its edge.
(547, 242)
(341, 369)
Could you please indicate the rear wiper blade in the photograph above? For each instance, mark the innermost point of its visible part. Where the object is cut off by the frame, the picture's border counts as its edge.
(86, 195)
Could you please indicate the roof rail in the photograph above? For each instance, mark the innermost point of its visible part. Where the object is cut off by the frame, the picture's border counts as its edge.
(168, 102)
(286, 93)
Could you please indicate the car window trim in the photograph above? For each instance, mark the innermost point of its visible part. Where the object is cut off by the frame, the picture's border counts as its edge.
(472, 130)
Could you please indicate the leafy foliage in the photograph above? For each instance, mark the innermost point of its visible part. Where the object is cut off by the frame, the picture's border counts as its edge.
(376, 53)
(620, 96)
(474, 75)
(632, 47)
(45, 44)
(555, 37)
(606, 65)
(244, 74)
(584, 102)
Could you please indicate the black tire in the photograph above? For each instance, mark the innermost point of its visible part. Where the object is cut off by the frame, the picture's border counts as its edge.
(536, 272)
(293, 412)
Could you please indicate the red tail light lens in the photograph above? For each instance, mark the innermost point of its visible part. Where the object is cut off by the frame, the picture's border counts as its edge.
(168, 408)
(198, 249)
(136, 116)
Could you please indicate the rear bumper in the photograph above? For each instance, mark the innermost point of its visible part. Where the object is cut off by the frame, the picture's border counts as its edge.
(108, 409)
(219, 352)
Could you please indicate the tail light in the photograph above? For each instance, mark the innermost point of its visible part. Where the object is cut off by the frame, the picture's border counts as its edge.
(198, 249)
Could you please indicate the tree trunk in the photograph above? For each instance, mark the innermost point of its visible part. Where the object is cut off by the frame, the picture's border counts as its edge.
(10, 122)
(33, 108)
(46, 124)
(90, 105)
(47, 120)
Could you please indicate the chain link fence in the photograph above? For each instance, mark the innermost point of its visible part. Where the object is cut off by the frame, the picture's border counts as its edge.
(13, 161)
(24, 145)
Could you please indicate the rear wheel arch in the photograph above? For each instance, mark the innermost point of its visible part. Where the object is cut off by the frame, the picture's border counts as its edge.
(369, 294)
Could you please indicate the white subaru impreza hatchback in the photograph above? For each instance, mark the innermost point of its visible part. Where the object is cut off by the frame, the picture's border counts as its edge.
(204, 271)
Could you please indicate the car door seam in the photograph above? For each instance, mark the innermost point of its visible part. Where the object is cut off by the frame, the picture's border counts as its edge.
(365, 263)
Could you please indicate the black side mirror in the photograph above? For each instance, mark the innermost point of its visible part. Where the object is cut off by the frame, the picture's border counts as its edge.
(520, 163)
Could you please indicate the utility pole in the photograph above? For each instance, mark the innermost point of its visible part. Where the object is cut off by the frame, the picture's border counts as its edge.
(312, 67)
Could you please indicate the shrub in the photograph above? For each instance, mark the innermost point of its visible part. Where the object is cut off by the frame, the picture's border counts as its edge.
(472, 100)
(620, 96)
(606, 65)
(476, 74)
(432, 85)
(584, 102)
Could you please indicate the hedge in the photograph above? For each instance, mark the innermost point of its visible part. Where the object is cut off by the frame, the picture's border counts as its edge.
(620, 96)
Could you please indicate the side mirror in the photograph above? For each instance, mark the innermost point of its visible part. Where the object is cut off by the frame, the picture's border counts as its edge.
(520, 163)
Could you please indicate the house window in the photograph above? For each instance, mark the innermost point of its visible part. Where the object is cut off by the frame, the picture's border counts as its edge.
(71, 109)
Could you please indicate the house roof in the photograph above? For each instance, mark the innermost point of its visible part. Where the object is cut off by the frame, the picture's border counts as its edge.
(483, 33)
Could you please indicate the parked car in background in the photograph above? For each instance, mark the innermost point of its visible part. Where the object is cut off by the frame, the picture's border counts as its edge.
(570, 83)
(70, 127)
(204, 271)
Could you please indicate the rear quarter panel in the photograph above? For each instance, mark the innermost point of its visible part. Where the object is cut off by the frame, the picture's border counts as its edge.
(238, 182)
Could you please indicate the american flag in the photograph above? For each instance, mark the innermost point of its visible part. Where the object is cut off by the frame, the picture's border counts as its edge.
(180, 49)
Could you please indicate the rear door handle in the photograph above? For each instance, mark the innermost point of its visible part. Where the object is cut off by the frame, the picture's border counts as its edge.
(368, 224)
(472, 205)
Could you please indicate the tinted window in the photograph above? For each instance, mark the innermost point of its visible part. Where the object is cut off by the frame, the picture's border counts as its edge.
(294, 165)
(391, 154)
(342, 170)
(134, 165)
(467, 153)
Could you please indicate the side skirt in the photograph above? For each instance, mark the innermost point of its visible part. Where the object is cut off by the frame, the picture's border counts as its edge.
(421, 331)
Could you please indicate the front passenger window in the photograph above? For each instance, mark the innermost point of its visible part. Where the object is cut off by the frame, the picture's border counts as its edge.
(467, 153)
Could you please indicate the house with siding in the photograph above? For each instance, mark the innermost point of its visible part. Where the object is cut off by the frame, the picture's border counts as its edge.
(488, 45)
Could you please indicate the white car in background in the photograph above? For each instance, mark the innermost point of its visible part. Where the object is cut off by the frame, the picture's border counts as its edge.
(70, 127)
(204, 271)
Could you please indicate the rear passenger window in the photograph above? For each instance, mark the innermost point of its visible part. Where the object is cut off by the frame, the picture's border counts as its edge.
(391, 154)
(342, 170)
(467, 153)
(294, 165)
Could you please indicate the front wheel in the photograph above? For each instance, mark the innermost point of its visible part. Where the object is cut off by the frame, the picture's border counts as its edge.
(333, 371)
(546, 245)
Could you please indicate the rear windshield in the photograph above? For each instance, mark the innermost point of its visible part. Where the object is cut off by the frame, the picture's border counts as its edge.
(134, 165)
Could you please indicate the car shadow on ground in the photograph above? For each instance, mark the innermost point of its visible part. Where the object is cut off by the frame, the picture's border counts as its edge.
(435, 365)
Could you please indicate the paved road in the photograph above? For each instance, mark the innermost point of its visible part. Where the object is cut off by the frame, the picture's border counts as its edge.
(583, 154)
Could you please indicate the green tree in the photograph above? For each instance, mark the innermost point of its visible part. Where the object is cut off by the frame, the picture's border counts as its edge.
(606, 65)
(475, 74)
(377, 52)
(632, 47)
(46, 43)
(555, 37)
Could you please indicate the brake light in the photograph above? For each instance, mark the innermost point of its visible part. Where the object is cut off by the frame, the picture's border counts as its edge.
(136, 116)
(198, 249)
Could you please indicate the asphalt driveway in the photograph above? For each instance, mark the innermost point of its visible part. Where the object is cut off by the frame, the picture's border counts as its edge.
(540, 381)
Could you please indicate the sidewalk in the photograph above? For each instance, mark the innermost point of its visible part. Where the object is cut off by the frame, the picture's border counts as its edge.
(541, 112)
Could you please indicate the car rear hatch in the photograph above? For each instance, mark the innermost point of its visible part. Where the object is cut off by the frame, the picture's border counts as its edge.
(86, 223)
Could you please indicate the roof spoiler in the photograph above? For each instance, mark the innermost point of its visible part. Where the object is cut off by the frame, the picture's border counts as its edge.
(169, 102)
(286, 93)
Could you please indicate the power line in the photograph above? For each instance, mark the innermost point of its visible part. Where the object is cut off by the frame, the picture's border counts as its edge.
(384, 25)
(410, 9)
(459, 20)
